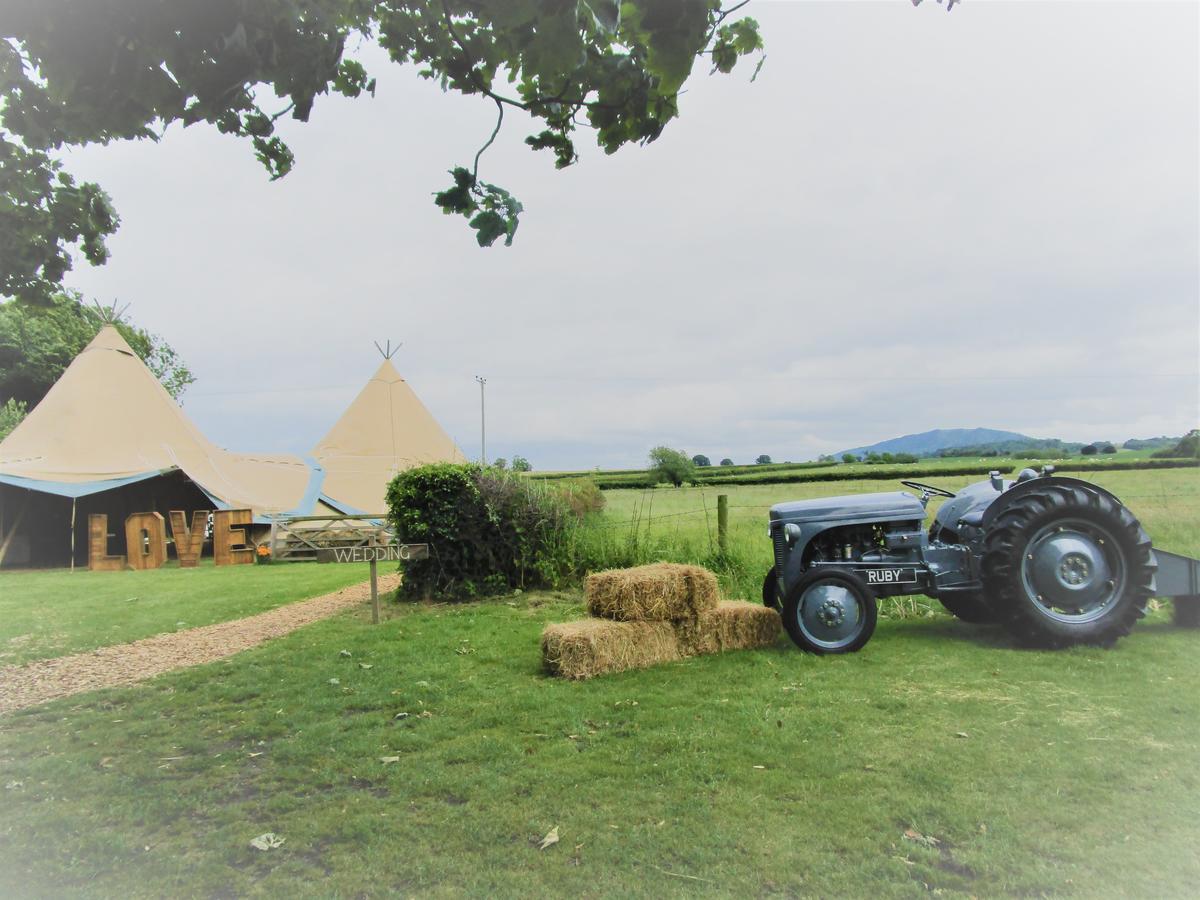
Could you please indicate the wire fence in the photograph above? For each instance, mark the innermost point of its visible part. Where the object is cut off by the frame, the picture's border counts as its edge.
(646, 520)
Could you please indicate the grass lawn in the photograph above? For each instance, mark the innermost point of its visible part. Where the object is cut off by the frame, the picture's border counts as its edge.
(56, 612)
(939, 758)
(433, 755)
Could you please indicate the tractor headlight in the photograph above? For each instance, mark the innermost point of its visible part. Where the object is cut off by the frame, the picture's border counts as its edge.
(791, 531)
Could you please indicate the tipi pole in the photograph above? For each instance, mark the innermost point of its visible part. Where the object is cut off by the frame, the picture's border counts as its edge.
(73, 500)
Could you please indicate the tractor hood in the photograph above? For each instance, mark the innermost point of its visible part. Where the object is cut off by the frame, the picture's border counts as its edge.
(894, 506)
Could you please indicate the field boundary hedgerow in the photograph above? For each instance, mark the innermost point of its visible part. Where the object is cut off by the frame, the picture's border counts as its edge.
(641, 479)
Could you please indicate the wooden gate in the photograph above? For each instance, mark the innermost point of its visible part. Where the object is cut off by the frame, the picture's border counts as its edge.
(301, 538)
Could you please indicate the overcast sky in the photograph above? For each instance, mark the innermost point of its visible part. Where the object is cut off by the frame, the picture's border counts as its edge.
(911, 220)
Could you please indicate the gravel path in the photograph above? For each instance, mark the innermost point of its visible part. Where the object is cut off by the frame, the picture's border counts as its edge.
(48, 679)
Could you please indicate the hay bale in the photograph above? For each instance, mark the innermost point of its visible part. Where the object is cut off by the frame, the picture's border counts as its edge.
(600, 646)
(663, 592)
(733, 625)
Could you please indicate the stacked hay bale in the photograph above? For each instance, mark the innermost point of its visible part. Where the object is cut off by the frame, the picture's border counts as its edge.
(653, 614)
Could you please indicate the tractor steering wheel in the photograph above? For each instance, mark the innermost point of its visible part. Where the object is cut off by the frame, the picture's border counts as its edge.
(928, 489)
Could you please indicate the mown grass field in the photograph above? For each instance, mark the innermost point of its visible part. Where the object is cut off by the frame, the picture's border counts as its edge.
(939, 758)
(56, 612)
(433, 758)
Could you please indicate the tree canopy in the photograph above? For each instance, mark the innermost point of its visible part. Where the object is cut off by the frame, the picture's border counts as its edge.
(38, 343)
(78, 73)
(670, 465)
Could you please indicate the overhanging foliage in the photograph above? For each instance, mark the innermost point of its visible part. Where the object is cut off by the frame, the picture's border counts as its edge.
(78, 73)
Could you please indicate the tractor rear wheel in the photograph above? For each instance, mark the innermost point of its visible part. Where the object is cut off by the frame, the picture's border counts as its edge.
(830, 610)
(1066, 565)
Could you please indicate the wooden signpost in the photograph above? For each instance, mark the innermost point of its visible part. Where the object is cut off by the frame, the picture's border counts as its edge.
(374, 554)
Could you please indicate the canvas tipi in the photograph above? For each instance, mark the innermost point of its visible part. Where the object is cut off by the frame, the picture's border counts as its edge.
(385, 430)
(108, 436)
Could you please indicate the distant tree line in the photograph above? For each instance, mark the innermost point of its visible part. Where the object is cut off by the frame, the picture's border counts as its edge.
(671, 466)
(874, 459)
(1187, 448)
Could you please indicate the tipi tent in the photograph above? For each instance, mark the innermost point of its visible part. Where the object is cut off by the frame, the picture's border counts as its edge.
(108, 438)
(385, 430)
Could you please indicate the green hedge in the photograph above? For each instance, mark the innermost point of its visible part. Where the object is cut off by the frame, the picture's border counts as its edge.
(882, 473)
(488, 531)
(703, 473)
(1119, 465)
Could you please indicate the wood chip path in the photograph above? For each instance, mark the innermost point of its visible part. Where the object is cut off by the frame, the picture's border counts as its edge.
(42, 680)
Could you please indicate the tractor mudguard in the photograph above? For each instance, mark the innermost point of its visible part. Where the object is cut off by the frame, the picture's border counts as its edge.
(1021, 488)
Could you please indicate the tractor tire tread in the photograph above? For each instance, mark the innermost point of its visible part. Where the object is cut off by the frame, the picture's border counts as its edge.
(1004, 546)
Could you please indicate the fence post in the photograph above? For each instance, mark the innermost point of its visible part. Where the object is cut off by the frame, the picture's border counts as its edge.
(723, 523)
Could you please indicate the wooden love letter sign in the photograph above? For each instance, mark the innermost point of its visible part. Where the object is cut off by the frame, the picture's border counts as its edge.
(98, 558)
(189, 542)
(227, 534)
(146, 540)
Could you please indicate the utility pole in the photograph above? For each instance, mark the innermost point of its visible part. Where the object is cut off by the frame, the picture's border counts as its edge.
(482, 422)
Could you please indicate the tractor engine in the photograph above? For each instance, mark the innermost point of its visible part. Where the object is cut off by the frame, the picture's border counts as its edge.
(880, 537)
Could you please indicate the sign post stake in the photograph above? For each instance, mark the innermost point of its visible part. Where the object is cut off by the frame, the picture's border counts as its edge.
(374, 587)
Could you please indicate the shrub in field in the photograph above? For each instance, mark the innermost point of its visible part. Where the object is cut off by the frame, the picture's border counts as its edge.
(521, 464)
(763, 460)
(701, 460)
(1187, 448)
(488, 531)
(671, 465)
(727, 461)
(582, 495)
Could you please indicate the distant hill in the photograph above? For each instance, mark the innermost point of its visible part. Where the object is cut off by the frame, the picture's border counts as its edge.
(928, 443)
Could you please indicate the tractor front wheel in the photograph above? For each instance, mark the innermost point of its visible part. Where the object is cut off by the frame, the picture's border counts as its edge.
(1066, 565)
(830, 610)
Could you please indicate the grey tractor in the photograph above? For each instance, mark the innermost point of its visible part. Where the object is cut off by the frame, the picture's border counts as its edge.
(1057, 561)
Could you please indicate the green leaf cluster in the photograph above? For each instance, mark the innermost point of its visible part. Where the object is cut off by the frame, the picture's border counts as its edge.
(12, 411)
(77, 73)
(38, 342)
(671, 466)
(492, 211)
(489, 531)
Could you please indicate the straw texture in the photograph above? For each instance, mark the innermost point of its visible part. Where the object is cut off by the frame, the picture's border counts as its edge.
(662, 592)
(601, 646)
